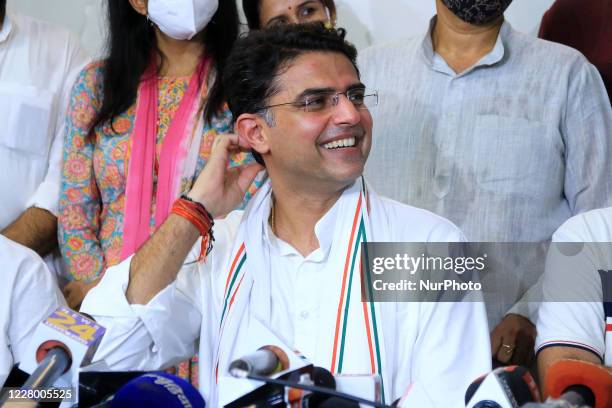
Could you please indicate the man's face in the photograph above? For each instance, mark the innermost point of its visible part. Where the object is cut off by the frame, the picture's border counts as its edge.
(318, 149)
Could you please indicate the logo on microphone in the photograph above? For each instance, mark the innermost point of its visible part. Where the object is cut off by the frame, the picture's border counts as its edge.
(75, 325)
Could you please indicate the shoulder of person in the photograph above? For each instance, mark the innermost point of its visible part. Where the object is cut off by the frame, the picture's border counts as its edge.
(49, 34)
(590, 226)
(413, 224)
(20, 262)
(395, 49)
(546, 51)
(91, 78)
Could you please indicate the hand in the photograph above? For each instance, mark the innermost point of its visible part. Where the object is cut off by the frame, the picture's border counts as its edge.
(75, 292)
(218, 188)
(513, 340)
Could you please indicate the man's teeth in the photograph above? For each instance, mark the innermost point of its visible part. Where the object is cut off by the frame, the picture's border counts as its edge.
(348, 142)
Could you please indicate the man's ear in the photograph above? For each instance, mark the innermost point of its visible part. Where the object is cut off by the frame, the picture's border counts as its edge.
(140, 6)
(252, 132)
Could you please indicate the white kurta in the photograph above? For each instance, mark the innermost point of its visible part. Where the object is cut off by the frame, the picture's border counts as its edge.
(28, 294)
(574, 312)
(38, 66)
(442, 347)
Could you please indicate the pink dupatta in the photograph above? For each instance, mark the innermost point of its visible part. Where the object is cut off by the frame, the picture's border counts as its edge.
(174, 149)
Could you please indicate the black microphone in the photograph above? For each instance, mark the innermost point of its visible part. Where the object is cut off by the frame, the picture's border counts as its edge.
(574, 397)
(504, 387)
(304, 399)
(316, 389)
(321, 378)
(335, 402)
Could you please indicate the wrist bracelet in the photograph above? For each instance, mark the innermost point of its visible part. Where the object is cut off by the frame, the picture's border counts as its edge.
(195, 213)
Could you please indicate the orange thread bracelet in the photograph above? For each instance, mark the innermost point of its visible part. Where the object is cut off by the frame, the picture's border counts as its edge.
(200, 218)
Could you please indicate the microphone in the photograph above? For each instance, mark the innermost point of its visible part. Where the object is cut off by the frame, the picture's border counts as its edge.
(59, 346)
(301, 399)
(579, 383)
(316, 389)
(267, 360)
(504, 387)
(157, 389)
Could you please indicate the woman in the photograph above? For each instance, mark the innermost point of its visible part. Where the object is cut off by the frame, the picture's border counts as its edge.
(140, 127)
(268, 13)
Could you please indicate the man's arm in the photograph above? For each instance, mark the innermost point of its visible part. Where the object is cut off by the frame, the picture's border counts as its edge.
(36, 229)
(34, 296)
(220, 190)
(156, 265)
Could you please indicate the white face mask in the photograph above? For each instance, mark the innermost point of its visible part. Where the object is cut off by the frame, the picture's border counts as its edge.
(182, 19)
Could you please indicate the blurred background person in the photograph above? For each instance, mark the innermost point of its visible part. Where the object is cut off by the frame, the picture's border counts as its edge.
(38, 65)
(575, 319)
(158, 80)
(140, 127)
(28, 294)
(585, 26)
(502, 133)
(269, 13)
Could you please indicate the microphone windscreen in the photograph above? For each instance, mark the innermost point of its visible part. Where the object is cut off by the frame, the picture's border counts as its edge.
(323, 378)
(521, 382)
(157, 390)
(566, 373)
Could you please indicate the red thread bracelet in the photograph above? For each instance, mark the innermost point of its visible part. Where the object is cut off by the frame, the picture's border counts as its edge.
(195, 213)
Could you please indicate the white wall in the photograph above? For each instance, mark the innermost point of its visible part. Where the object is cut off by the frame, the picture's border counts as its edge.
(367, 21)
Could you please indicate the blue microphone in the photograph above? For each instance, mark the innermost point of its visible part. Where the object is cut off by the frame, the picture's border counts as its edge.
(157, 389)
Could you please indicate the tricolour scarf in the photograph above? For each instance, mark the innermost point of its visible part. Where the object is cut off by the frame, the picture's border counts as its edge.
(354, 344)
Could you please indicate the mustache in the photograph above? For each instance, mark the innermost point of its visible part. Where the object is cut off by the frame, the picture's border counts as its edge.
(356, 131)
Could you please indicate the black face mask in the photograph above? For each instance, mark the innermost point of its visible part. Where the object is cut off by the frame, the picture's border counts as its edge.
(477, 11)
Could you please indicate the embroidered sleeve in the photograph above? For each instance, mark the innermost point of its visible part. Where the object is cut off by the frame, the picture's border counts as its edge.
(79, 206)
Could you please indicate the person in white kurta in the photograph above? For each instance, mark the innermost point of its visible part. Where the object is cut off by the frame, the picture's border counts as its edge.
(288, 261)
(38, 65)
(28, 294)
(575, 319)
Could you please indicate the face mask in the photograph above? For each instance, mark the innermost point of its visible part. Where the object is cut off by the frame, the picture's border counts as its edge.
(182, 19)
(477, 11)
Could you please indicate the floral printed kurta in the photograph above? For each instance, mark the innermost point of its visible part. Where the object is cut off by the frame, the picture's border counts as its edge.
(95, 169)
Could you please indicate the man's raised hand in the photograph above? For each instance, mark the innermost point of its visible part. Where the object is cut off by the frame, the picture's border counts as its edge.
(219, 188)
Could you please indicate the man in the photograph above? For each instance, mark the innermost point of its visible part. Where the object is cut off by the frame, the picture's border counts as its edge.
(38, 65)
(575, 319)
(28, 294)
(283, 261)
(504, 134)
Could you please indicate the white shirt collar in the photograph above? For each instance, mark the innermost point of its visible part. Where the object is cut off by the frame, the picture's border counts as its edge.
(324, 231)
(7, 27)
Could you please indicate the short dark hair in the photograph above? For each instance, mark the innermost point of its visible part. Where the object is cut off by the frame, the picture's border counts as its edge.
(258, 58)
(251, 11)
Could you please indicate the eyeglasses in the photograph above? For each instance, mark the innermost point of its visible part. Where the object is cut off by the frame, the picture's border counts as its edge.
(323, 101)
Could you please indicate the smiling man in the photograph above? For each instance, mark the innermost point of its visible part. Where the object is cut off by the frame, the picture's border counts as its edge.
(300, 106)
